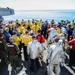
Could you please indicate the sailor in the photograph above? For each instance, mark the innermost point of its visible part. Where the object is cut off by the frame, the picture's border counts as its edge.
(55, 56)
(34, 49)
(52, 34)
(40, 38)
(17, 41)
(13, 52)
(28, 25)
(58, 29)
(62, 39)
(7, 34)
(72, 52)
(44, 28)
(35, 27)
(3, 49)
(26, 39)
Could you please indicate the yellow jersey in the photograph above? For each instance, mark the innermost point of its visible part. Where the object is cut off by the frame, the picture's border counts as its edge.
(29, 24)
(35, 28)
(26, 39)
(10, 25)
(19, 29)
(16, 39)
(39, 23)
(21, 37)
(58, 30)
(72, 24)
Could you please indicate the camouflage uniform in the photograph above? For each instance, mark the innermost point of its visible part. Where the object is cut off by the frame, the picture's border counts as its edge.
(13, 58)
(3, 51)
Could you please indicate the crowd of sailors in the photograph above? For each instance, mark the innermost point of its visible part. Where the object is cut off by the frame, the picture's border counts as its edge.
(39, 40)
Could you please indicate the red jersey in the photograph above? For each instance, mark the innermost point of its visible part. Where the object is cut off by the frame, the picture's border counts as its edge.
(72, 42)
(40, 38)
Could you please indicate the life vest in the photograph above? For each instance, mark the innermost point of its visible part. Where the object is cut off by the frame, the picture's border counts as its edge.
(11, 49)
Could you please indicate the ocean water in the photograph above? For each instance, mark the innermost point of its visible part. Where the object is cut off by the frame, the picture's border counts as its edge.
(57, 15)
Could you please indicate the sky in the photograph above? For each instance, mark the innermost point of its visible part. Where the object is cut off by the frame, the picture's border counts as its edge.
(38, 4)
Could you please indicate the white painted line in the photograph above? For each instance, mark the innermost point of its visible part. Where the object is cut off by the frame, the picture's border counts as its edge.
(73, 67)
(67, 55)
(69, 69)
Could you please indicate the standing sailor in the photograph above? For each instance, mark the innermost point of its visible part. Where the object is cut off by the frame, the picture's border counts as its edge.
(13, 52)
(26, 39)
(52, 34)
(34, 49)
(54, 57)
(3, 49)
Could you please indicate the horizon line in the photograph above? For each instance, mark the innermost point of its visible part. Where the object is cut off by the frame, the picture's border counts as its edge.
(42, 9)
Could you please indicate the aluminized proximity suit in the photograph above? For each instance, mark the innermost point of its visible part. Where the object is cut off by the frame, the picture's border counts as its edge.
(54, 58)
(52, 33)
(34, 48)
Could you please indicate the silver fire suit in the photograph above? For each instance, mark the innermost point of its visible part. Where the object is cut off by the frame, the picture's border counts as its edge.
(62, 39)
(52, 33)
(55, 54)
(34, 48)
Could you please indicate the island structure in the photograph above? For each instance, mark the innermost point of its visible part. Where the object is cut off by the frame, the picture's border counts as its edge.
(5, 12)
